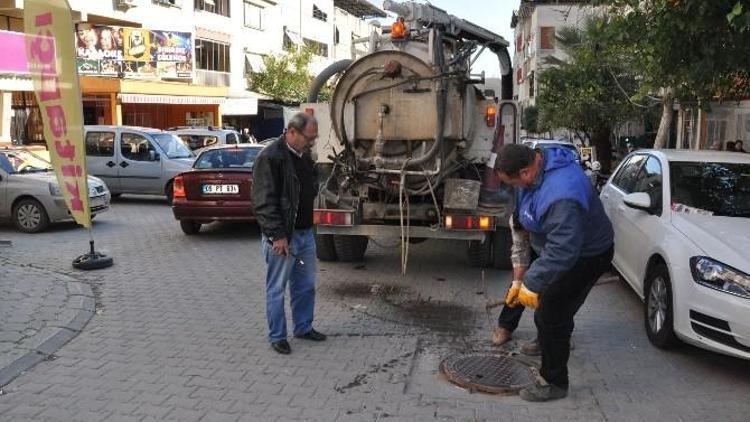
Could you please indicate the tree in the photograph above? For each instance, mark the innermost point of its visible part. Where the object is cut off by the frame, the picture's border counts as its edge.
(687, 50)
(287, 76)
(584, 93)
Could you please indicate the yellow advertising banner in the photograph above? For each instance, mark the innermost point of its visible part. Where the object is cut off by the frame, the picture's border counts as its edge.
(137, 44)
(52, 63)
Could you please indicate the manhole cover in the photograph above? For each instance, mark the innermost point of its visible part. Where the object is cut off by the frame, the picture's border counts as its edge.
(487, 372)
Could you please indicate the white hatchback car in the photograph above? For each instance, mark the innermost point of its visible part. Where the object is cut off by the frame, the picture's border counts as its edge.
(682, 241)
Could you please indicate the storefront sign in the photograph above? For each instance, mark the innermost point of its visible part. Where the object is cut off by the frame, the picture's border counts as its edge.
(12, 45)
(134, 52)
(51, 61)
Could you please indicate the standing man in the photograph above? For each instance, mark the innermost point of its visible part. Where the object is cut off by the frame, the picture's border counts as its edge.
(284, 189)
(573, 239)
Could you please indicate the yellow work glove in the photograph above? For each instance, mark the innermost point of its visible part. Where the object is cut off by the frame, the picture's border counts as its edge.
(527, 298)
(511, 298)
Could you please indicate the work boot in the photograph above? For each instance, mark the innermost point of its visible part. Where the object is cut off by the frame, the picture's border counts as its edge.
(531, 348)
(541, 391)
(500, 336)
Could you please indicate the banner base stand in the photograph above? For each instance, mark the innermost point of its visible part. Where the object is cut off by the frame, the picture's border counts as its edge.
(92, 260)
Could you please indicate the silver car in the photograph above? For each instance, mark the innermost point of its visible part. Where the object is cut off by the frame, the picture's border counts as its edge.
(135, 159)
(30, 195)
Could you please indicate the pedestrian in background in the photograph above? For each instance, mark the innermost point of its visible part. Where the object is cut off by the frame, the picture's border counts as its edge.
(284, 189)
(738, 146)
(573, 238)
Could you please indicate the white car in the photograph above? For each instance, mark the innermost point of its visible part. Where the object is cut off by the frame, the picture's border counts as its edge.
(682, 241)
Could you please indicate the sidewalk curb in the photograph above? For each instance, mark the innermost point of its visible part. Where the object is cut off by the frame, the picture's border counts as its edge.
(68, 330)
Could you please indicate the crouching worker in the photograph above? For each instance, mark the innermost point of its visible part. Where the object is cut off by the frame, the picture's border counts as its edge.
(573, 239)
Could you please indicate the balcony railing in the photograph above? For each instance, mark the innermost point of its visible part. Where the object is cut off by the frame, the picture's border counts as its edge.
(211, 78)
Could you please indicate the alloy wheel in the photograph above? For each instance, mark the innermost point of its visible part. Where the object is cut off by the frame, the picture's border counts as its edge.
(657, 304)
(29, 216)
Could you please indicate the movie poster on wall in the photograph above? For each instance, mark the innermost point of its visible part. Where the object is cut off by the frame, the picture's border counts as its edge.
(134, 52)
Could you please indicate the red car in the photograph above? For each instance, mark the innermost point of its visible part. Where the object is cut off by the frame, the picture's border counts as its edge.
(217, 188)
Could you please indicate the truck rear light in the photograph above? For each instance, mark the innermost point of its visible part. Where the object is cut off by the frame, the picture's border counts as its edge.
(491, 115)
(332, 217)
(178, 188)
(469, 222)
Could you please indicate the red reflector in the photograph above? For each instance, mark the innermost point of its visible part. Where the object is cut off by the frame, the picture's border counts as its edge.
(332, 217)
(469, 222)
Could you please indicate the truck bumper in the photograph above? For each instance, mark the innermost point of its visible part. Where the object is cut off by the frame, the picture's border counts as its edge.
(414, 232)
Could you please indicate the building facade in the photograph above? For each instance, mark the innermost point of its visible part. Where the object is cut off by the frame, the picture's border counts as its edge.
(165, 63)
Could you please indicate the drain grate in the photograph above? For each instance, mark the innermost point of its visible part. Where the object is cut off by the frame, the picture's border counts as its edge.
(487, 372)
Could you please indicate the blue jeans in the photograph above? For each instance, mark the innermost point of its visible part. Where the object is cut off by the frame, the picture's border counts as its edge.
(299, 271)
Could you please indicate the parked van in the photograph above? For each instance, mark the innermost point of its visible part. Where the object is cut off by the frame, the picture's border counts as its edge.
(136, 160)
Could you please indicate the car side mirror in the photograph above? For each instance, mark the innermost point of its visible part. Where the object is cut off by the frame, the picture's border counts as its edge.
(154, 156)
(638, 200)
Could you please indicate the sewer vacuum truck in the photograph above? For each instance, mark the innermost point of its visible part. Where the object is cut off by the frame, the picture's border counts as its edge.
(407, 140)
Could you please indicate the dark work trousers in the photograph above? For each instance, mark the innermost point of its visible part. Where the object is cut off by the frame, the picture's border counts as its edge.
(510, 317)
(559, 303)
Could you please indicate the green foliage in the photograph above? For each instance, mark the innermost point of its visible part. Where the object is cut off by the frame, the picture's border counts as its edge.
(586, 92)
(287, 77)
(530, 119)
(693, 46)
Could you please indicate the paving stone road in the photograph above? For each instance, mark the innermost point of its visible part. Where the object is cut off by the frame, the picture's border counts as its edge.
(179, 335)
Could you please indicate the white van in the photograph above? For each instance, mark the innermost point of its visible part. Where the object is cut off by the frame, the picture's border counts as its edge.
(135, 160)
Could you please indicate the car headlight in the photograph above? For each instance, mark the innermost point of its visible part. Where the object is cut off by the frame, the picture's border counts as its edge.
(714, 274)
(54, 189)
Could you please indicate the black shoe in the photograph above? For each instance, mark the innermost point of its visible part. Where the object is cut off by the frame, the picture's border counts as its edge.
(542, 391)
(312, 335)
(282, 346)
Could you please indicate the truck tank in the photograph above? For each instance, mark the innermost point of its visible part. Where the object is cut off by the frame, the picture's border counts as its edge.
(407, 139)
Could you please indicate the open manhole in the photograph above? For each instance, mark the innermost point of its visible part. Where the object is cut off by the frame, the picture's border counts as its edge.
(487, 372)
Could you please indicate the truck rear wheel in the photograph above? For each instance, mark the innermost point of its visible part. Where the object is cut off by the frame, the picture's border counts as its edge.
(501, 243)
(350, 248)
(325, 248)
(480, 253)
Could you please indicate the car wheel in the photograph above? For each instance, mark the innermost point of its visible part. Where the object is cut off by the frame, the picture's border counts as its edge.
(659, 310)
(480, 253)
(190, 227)
(169, 191)
(324, 247)
(350, 248)
(30, 216)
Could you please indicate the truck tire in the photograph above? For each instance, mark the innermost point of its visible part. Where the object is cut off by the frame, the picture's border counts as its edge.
(350, 248)
(324, 247)
(501, 244)
(480, 253)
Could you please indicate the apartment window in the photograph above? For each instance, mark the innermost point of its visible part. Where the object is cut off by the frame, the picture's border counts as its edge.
(336, 35)
(319, 14)
(319, 48)
(210, 55)
(531, 84)
(548, 38)
(253, 15)
(220, 7)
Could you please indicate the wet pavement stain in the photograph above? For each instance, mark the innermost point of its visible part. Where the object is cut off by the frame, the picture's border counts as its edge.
(363, 290)
(446, 317)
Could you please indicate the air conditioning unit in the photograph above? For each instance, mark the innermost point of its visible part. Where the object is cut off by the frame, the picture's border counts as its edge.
(126, 4)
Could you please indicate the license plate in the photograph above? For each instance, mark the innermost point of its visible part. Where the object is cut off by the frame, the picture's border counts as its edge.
(221, 189)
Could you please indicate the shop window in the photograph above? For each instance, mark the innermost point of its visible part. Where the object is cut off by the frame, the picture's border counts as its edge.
(210, 55)
(100, 144)
(319, 14)
(253, 15)
(220, 7)
(319, 48)
(26, 126)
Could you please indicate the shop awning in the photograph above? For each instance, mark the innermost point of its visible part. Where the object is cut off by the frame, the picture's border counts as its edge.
(168, 99)
(239, 107)
(15, 83)
(295, 38)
